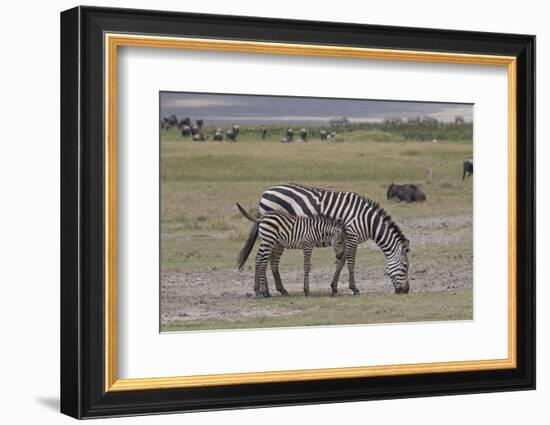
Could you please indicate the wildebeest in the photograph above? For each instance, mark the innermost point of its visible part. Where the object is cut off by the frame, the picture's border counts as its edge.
(199, 137)
(331, 135)
(236, 129)
(323, 134)
(263, 132)
(279, 230)
(185, 121)
(405, 192)
(303, 135)
(285, 140)
(289, 134)
(195, 130)
(230, 135)
(200, 123)
(218, 136)
(186, 131)
(468, 168)
(169, 122)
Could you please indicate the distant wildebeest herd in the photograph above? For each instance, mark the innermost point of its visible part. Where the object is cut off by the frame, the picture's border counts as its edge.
(195, 131)
(197, 134)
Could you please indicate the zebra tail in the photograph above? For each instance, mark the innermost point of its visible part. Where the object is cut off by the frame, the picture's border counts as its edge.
(247, 214)
(245, 252)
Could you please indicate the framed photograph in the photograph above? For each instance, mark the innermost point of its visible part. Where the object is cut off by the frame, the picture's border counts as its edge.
(261, 212)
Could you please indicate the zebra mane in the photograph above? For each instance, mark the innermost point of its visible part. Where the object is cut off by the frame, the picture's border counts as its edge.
(386, 218)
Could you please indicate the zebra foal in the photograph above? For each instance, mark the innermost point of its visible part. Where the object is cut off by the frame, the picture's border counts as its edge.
(279, 230)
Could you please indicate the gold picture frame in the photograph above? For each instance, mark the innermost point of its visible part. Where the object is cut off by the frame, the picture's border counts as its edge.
(114, 41)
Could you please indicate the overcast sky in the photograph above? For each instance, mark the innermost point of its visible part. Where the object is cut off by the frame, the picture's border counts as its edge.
(246, 109)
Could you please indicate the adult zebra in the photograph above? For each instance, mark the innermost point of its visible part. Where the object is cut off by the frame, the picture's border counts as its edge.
(363, 220)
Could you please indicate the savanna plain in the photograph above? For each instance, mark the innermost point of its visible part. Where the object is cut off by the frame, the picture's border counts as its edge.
(202, 231)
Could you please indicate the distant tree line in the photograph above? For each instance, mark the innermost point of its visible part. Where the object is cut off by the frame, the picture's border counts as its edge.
(424, 128)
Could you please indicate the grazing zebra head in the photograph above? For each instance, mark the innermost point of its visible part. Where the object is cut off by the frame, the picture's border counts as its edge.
(397, 265)
(394, 245)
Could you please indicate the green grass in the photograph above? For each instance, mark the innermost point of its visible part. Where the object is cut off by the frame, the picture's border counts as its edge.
(319, 309)
(202, 181)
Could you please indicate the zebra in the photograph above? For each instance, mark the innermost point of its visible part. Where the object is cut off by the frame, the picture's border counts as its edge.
(363, 219)
(279, 230)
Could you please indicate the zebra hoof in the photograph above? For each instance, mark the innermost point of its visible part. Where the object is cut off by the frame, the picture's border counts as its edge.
(306, 292)
(284, 293)
(267, 295)
(355, 291)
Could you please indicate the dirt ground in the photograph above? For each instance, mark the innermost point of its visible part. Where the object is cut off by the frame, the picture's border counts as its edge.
(214, 295)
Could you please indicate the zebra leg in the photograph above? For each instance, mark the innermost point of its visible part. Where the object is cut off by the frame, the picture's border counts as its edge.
(351, 252)
(307, 268)
(340, 261)
(260, 279)
(257, 276)
(274, 261)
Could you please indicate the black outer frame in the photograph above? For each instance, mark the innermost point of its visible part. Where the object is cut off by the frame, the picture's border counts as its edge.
(82, 218)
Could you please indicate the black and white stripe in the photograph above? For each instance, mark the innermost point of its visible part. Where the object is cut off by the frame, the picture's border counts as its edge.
(279, 230)
(363, 220)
